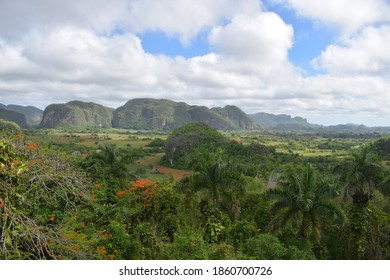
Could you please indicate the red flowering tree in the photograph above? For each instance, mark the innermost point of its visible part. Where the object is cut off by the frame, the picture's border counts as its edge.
(38, 193)
(145, 219)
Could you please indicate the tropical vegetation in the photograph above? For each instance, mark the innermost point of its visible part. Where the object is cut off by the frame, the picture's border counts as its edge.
(95, 193)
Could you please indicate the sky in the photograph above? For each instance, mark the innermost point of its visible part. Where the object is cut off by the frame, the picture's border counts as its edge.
(328, 62)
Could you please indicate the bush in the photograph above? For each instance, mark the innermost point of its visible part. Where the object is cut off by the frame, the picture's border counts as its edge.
(38, 196)
(183, 143)
(11, 127)
(264, 247)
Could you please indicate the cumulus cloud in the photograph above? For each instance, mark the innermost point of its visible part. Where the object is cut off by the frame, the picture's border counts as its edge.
(78, 62)
(263, 37)
(347, 15)
(366, 53)
(184, 18)
(56, 51)
(18, 18)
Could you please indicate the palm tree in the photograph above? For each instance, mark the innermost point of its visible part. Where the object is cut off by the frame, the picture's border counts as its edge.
(115, 160)
(301, 200)
(221, 181)
(361, 174)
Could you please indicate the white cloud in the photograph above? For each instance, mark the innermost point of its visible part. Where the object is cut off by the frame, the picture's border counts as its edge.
(367, 53)
(74, 63)
(262, 37)
(18, 18)
(56, 51)
(184, 18)
(79, 62)
(348, 15)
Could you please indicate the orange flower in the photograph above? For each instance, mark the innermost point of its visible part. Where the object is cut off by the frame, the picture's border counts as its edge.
(120, 194)
(52, 217)
(32, 146)
(20, 135)
(101, 250)
(142, 183)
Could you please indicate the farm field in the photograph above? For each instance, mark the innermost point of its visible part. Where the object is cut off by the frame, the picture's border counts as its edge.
(149, 166)
(81, 144)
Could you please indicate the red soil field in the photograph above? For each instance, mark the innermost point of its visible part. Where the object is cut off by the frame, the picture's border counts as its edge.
(176, 173)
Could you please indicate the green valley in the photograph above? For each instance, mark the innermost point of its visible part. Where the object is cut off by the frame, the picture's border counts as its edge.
(193, 193)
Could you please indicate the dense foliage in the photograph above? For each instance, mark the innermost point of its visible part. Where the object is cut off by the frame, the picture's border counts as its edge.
(10, 127)
(41, 197)
(13, 116)
(240, 200)
(381, 147)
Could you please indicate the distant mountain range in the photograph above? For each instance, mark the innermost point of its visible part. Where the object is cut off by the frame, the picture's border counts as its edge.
(162, 114)
(32, 115)
(283, 122)
(13, 116)
(286, 122)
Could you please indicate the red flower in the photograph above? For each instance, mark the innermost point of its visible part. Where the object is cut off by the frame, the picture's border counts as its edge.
(32, 146)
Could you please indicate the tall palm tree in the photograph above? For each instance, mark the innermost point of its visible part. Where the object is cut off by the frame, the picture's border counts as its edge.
(302, 200)
(361, 174)
(221, 181)
(111, 157)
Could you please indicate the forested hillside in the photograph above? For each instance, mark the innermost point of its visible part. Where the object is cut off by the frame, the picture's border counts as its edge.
(33, 115)
(13, 116)
(76, 114)
(162, 114)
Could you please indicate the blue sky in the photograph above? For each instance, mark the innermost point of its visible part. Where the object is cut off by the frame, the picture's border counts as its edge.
(158, 43)
(327, 63)
(309, 39)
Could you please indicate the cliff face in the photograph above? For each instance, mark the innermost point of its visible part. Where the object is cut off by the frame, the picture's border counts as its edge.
(237, 117)
(76, 114)
(162, 114)
(147, 113)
